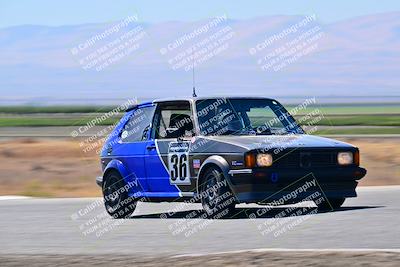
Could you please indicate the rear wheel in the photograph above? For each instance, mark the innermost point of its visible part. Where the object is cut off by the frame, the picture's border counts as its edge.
(216, 197)
(331, 203)
(116, 200)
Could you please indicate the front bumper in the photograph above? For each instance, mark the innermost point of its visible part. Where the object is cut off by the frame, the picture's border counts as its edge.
(268, 184)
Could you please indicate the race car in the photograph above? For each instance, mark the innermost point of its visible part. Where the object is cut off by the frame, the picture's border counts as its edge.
(222, 151)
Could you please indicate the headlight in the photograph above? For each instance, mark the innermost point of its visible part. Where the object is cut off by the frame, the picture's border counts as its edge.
(264, 160)
(345, 158)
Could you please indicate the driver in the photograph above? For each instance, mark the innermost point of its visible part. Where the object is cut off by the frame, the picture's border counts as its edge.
(229, 119)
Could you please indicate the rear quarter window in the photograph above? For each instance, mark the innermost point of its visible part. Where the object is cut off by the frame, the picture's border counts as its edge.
(138, 125)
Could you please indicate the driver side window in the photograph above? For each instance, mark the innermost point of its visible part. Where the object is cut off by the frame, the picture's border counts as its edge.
(173, 120)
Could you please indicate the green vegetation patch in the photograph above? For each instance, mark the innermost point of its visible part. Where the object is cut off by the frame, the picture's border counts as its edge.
(54, 109)
(37, 122)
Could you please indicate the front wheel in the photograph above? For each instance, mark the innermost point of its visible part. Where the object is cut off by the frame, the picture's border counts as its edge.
(330, 203)
(116, 199)
(216, 197)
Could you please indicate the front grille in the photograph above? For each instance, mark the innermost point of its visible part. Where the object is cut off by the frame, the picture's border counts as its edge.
(306, 159)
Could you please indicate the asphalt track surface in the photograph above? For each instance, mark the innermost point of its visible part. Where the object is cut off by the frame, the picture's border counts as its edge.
(57, 226)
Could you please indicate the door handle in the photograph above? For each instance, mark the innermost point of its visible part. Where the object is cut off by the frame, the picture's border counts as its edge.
(151, 147)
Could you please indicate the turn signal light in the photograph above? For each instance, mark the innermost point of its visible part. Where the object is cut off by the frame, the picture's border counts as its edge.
(250, 160)
(357, 158)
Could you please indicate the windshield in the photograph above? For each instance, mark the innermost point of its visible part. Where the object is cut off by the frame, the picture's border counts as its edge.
(237, 116)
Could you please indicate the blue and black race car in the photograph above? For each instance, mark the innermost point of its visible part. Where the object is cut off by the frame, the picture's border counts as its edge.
(221, 152)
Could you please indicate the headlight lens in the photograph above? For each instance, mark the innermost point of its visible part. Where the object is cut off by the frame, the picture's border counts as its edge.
(345, 158)
(264, 160)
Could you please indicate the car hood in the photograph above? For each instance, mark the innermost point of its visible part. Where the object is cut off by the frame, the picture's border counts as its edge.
(278, 141)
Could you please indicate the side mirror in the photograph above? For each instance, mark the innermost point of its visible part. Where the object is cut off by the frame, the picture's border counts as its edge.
(146, 133)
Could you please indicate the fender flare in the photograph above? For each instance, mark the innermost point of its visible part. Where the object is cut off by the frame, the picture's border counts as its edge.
(134, 188)
(120, 167)
(221, 163)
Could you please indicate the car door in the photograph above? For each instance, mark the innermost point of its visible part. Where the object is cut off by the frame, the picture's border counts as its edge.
(167, 153)
(131, 145)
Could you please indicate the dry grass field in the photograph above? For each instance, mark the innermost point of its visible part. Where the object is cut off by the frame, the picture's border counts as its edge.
(59, 168)
(381, 158)
(50, 168)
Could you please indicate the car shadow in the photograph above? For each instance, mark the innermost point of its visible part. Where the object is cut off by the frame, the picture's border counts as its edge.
(251, 213)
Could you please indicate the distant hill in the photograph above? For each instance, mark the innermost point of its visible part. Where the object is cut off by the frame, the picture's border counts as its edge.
(359, 56)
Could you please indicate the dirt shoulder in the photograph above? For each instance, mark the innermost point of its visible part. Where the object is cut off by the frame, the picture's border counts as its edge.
(381, 157)
(384, 259)
(47, 167)
(60, 168)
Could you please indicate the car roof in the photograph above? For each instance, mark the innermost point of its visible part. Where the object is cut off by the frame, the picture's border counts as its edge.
(206, 98)
(192, 99)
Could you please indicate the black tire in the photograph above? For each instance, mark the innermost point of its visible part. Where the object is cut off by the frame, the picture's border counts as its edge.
(116, 200)
(331, 203)
(216, 197)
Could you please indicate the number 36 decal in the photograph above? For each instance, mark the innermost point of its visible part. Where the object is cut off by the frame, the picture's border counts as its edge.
(178, 164)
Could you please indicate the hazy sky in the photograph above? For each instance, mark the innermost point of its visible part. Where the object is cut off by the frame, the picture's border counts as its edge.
(67, 12)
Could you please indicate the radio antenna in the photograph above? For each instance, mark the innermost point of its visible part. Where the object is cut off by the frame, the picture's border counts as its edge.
(194, 84)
